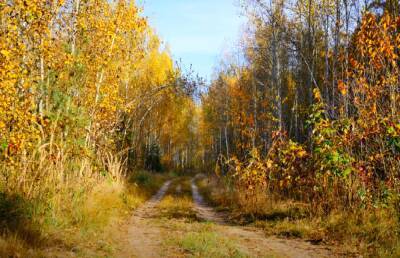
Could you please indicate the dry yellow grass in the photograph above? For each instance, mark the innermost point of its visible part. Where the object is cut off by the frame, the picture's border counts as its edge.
(372, 232)
(53, 204)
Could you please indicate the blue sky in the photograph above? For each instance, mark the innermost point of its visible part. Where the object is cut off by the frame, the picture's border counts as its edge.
(196, 31)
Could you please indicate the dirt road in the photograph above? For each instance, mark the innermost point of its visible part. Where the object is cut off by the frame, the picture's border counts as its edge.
(177, 222)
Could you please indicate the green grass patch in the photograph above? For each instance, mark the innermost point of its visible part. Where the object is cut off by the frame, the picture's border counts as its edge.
(209, 244)
(198, 239)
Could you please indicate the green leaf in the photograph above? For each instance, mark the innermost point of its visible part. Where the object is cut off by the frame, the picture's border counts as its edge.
(3, 145)
(391, 130)
(347, 172)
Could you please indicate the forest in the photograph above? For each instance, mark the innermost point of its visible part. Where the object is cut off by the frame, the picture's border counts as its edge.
(297, 135)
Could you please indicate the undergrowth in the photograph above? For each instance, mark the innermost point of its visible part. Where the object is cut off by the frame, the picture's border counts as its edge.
(371, 232)
(73, 212)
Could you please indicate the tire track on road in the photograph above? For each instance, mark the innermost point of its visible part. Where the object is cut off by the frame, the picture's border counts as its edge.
(143, 238)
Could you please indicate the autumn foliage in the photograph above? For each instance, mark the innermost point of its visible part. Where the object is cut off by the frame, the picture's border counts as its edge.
(87, 90)
(308, 119)
(345, 154)
(307, 111)
(88, 75)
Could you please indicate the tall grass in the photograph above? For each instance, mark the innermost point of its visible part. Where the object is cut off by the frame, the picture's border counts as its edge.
(53, 202)
(372, 231)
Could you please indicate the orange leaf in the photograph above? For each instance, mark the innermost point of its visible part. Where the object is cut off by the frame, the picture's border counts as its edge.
(342, 87)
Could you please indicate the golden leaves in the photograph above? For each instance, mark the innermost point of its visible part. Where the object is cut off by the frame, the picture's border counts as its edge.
(23, 39)
(37, 60)
(5, 53)
(317, 95)
(342, 87)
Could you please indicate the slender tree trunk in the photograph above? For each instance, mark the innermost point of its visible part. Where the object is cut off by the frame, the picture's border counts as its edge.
(335, 56)
(76, 8)
(226, 141)
(254, 112)
(346, 66)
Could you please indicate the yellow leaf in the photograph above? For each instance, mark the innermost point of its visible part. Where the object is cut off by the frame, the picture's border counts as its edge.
(5, 53)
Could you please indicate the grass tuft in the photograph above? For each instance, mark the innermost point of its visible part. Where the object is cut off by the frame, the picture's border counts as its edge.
(209, 244)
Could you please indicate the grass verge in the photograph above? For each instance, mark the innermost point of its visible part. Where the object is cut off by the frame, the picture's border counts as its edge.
(72, 211)
(373, 232)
